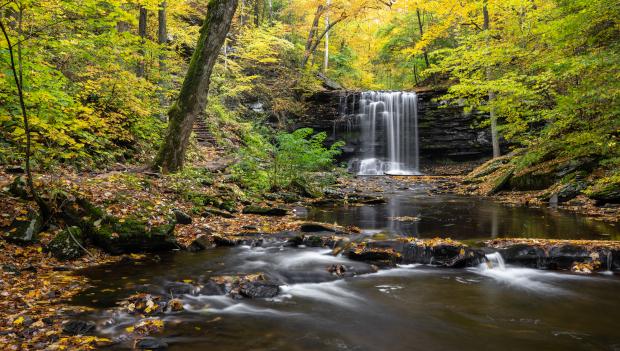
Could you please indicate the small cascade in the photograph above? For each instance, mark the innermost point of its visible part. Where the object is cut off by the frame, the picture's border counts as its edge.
(495, 261)
(388, 126)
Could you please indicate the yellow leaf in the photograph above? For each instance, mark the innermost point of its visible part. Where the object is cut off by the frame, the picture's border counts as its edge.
(19, 321)
(129, 329)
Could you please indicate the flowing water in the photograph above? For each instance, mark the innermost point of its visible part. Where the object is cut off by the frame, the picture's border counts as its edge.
(412, 307)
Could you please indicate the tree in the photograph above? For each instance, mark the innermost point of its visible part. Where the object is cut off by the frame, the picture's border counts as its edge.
(142, 34)
(492, 115)
(192, 99)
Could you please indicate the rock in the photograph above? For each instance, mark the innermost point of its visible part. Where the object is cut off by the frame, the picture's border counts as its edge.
(216, 212)
(149, 343)
(181, 217)
(212, 288)
(258, 289)
(76, 327)
(67, 245)
(174, 305)
(178, 289)
(202, 242)
(133, 236)
(24, 230)
(605, 191)
(337, 270)
(265, 211)
(234, 240)
(381, 257)
(250, 227)
(11, 268)
(313, 227)
(14, 170)
(19, 188)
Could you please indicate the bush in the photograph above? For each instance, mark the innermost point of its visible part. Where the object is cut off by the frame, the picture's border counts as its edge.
(294, 156)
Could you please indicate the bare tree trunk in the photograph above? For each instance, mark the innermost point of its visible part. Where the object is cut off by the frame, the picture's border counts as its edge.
(494, 133)
(270, 12)
(422, 34)
(326, 57)
(142, 33)
(192, 99)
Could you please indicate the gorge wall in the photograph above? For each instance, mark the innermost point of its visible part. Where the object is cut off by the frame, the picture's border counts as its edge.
(445, 131)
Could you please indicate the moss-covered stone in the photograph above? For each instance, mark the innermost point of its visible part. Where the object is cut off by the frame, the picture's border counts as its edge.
(24, 230)
(67, 245)
(606, 190)
(18, 187)
(265, 211)
(119, 236)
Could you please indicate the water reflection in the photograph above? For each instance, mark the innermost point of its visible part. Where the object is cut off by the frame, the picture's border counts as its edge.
(463, 218)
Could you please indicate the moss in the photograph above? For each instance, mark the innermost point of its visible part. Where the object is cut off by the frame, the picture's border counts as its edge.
(67, 245)
(605, 190)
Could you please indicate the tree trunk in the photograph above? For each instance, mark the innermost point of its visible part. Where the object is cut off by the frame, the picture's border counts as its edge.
(142, 34)
(313, 30)
(257, 13)
(192, 99)
(491, 94)
(162, 39)
(326, 57)
(422, 34)
(17, 71)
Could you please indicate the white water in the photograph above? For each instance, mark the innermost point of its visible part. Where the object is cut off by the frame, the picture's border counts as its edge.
(389, 121)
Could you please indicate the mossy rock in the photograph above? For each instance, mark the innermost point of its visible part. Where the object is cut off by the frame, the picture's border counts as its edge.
(605, 191)
(501, 181)
(18, 187)
(67, 245)
(544, 175)
(24, 230)
(265, 211)
(119, 236)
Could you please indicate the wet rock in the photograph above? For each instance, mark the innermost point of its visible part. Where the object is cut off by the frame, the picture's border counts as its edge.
(143, 303)
(382, 257)
(265, 211)
(202, 242)
(179, 288)
(77, 327)
(24, 230)
(258, 289)
(211, 288)
(67, 245)
(234, 240)
(313, 227)
(182, 217)
(11, 268)
(174, 305)
(149, 343)
(337, 270)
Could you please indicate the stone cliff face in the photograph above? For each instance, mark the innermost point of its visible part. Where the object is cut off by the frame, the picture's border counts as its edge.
(445, 131)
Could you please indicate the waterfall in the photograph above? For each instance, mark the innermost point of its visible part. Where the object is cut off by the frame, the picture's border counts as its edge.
(389, 132)
(495, 260)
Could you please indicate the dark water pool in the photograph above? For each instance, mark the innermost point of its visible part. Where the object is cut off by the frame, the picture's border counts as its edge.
(412, 307)
(416, 213)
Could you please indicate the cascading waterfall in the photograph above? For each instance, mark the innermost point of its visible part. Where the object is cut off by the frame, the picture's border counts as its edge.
(388, 123)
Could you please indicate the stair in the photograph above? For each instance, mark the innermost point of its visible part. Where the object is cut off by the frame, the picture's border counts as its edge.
(202, 133)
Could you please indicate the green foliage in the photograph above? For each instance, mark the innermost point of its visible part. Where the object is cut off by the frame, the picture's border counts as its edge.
(292, 160)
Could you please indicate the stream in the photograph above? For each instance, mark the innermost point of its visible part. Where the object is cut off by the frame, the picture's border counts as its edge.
(410, 307)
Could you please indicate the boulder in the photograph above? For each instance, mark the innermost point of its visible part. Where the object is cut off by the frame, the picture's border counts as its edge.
(605, 191)
(313, 227)
(117, 236)
(258, 289)
(24, 230)
(265, 211)
(182, 217)
(202, 242)
(67, 245)
(18, 187)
